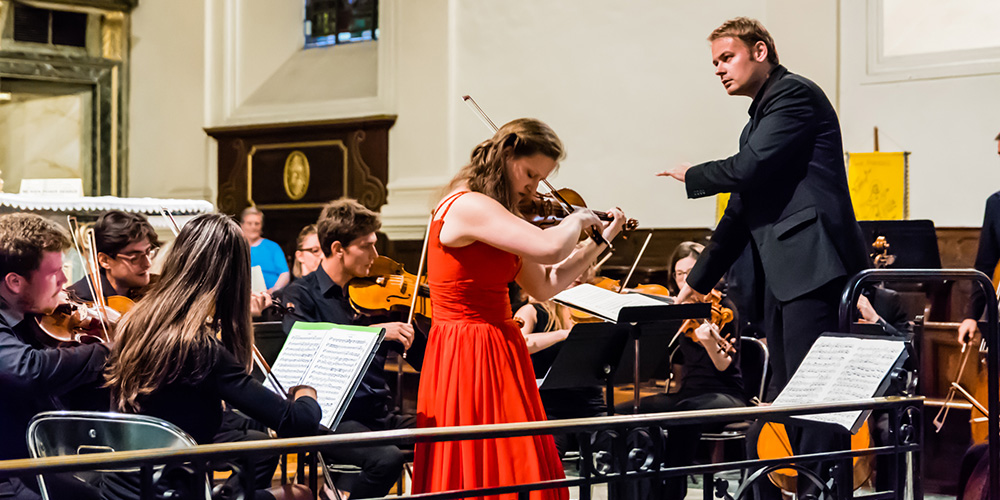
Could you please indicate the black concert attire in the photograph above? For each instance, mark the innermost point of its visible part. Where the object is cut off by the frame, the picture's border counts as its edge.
(82, 289)
(986, 262)
(988, 254)
(196, 407)
(577, 402)
(791, 206)
(703, 387)
(318, 299)
(34, 379)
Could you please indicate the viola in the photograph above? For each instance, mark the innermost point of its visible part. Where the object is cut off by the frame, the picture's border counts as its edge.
(388, 287)
(720, 317)
(545, 210)
(75, 321)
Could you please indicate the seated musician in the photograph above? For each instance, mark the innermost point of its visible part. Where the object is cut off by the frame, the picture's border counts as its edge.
(33, 377)
(125, 244)
(347, 236)
(711, 378)
(545, 325)
(185, 349)
(308, 254)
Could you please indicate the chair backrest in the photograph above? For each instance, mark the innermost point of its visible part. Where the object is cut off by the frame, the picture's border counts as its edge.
(59, 433)
(754, 366)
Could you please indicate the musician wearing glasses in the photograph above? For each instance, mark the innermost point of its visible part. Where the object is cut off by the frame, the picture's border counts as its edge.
(126, 244)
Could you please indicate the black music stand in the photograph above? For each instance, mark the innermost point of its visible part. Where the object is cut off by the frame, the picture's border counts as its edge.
(913, 242)
(588, 357)
(654, 323)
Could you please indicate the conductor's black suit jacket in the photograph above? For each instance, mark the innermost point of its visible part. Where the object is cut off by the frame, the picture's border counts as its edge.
(789, 194)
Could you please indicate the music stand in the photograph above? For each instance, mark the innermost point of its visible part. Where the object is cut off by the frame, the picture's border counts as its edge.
(589, 356)
(913, 242)
(646, 318)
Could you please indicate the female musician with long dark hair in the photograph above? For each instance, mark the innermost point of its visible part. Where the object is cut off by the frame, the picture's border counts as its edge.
(186, 347)
(476, 368)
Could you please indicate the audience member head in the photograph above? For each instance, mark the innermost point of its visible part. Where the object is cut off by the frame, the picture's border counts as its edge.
(308, 253)
(31, 252)
(346, 231)
(508, 166)
(743, 54)
(126, 244)
(203, 295)
(681, 262)
(252, 224)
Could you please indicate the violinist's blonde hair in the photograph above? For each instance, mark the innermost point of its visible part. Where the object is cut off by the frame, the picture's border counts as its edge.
(201, 300)
(487, 169)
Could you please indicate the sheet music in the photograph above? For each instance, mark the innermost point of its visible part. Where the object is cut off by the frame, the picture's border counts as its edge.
(257, 283)
(604, 303)
(296, 355)
(342, 356)
(840, 369)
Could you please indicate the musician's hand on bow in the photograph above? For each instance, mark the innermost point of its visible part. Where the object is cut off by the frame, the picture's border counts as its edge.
(688, 294)
(258, 302)
(966, 330)
(679, 172)
(299, 391)
(708, 332)
(868, 314)
(398, 332)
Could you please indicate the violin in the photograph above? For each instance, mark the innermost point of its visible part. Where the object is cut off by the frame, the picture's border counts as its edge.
(75, 322)
(720, 317)
(545, 210)
(388, 287)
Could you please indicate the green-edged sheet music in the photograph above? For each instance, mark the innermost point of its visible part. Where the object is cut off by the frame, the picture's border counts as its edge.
(330, 358)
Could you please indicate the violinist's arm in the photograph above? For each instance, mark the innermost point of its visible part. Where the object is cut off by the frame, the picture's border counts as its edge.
(477, 217)
(542, 282)
(537, 341)
(529, 315)
(50, 371)
(709, 339)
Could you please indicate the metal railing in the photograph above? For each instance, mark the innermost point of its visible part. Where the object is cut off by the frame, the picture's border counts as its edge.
(635, 452)
(990, 335)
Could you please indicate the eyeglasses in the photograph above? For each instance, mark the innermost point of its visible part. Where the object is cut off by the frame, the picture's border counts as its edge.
(313, 250)
(133, 258)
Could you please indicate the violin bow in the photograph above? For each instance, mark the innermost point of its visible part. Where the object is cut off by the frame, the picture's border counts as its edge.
(416, 280)
(90, 270)
(594, 234)
(621, 288)
(261, 363)
(173, 222)
(99, 296)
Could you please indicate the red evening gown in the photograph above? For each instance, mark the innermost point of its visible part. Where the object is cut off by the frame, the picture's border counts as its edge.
(477, 370)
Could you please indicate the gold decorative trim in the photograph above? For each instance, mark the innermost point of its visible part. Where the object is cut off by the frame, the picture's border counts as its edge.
(288, 145)
(296, 175)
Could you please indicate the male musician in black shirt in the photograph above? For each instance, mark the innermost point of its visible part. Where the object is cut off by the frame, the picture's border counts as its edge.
(346, 231)
(126, 244)
(790, 204)
(33, 377)
(987, 258)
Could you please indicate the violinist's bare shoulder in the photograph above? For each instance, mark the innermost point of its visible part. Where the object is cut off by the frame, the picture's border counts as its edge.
(477, 217)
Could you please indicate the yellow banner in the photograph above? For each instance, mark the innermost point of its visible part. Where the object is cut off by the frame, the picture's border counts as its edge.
(721, 200)
(878, 184)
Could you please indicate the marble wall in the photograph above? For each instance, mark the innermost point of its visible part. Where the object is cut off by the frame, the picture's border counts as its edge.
(45, 136)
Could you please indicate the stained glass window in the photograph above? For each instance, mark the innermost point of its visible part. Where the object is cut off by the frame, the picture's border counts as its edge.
(329, 22)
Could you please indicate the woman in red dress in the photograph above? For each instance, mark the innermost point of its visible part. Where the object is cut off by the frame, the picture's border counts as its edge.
(476, 368)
